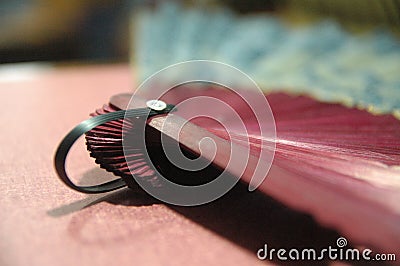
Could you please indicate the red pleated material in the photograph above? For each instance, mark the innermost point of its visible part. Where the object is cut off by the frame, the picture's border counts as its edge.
(340, 164)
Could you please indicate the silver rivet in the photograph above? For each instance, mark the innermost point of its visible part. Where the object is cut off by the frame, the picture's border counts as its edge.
(156, 105)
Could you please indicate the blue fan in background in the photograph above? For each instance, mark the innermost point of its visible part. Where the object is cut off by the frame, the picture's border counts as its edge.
(320, 59)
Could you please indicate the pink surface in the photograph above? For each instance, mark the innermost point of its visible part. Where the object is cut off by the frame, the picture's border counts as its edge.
(45, 223)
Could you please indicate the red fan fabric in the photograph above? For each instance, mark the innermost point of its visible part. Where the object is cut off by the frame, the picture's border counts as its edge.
(342, 165)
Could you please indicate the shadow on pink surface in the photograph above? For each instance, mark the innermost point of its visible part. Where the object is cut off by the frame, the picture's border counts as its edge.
(248, 220)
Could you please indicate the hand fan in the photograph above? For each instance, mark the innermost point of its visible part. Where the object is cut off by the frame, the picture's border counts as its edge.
(339, 164)
(322, 59)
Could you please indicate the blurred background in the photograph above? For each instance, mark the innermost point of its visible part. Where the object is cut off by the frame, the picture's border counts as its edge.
(341, 50)
(64, 30)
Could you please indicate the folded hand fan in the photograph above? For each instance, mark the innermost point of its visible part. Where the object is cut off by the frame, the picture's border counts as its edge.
(339, 164)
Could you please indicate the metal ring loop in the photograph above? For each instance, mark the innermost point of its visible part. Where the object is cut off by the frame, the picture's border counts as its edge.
(85, 126)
